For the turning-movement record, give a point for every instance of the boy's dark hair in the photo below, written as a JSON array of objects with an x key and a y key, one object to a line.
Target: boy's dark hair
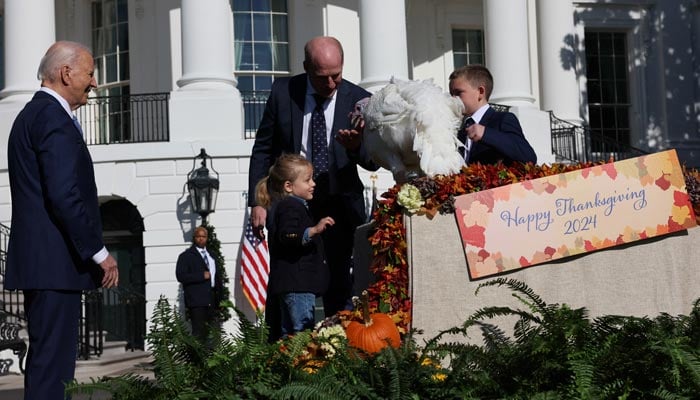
[{"x": 476, "y": 75}]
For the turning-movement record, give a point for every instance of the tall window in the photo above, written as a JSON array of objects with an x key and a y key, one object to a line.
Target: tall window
[
  {"x": 110, "y": 46},
  {"x": 608, "y": 90},
  {"x": 261, "y": 44},
  {"x": 468, "y": 47}
]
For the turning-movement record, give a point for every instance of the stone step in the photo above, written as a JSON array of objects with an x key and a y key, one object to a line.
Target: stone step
[{"x": 114, "y": 362}]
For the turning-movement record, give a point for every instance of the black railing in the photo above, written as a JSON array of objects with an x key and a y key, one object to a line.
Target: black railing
[
  {"x": 253, "y": 108},
  {"x": 116, "y": 314},
  {"x": 90, "y": 333},
  {"x": 135, "y": 118},
  {"x": 576, "y": 143},
  {"x": 12, "y": 300}
]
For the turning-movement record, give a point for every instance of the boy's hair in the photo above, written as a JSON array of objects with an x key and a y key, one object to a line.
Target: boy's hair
[
  {"x": 476, "y": 75},
  {"x": 286, "y": 168}
]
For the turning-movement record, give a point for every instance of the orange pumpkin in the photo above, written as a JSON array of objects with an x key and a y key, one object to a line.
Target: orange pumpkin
[{"x": 374, "y": 333}]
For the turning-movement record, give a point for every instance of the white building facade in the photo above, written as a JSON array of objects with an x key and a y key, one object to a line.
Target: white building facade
[{"x": 627, "y": 70}]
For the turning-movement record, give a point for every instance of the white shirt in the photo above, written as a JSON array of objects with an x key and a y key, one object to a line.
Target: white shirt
[
  {"x": 211, "y": 264},
  {"x": 477, "y": 119}
]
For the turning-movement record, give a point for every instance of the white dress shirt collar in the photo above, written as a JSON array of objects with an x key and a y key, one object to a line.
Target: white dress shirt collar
[{"x": 58, "y": 97}]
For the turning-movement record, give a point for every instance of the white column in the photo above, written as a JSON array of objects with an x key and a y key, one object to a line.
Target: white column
[
  {"x": 207, "y": 45},
  {"x": 507, "y": 54},
  {"x": 25, "y": 44},
  {"x": 557, "y": 52},
  {"x": 383, "y": 42},
  {"x": 207, "y": 105}
]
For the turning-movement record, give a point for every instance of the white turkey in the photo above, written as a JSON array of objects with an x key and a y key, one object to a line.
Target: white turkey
[{"x": 410, "y": 129}]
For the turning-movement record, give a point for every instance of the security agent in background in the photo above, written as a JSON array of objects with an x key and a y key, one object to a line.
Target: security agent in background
[{"x": 201, "y": 284}]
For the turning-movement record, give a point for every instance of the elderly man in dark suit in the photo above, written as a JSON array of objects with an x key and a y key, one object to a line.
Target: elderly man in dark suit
[
  {"x": 307, "y": 114},
  {"x": 56, "y": 247},
  {"x": 201, "y": 284}
]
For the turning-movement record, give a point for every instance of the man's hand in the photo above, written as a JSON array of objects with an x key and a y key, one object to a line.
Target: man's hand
[
  {"x": 257, "y": 220},
  {"x": 207, "y": 275},
  {"x": 111, "y": 277},
  {"x": 350, "y": 138}
]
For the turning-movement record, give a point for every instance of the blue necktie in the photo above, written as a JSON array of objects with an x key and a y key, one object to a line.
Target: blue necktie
[
  {"x": 319, "y": 141},
  {"x": 77, "y": 125}
]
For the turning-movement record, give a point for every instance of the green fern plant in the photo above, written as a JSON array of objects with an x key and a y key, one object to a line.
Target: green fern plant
[{"x": 551, "y": 352}]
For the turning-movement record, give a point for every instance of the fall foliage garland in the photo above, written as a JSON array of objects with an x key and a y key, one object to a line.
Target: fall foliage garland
[{"x": 389, "y": 293}]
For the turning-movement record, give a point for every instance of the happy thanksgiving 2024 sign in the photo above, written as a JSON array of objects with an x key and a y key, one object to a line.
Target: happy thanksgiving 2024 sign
[{"x": 540, "y": 220}]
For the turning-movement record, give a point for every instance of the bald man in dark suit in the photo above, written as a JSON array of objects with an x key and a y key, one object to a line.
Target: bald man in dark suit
[{"x": 286, "y": 128}]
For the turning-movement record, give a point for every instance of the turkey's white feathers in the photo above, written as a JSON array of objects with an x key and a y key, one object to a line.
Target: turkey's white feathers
[{"x": 410, "y": 129}]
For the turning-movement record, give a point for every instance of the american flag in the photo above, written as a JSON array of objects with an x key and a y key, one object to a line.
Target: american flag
[{"x": 255, "y": 267}]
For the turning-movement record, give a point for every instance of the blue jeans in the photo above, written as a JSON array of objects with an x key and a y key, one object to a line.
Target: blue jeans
[{"x": 297, "y": 311}]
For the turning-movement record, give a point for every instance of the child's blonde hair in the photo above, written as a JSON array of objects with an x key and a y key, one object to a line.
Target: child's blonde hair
[{"x": 286, "y": 168}]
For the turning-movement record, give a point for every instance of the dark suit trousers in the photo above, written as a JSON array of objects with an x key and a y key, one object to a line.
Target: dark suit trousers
[
  {"x": 52, "y": 325},
  {"x": 201, "y": 319},
  {"x": 337, "y": 245}
]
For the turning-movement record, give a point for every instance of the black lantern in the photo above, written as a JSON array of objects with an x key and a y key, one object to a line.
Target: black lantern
[{"x": 203, "y": 187}]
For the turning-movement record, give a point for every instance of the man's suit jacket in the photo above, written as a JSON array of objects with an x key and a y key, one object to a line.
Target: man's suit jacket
[
  {"x": 189, "y": 270},
  {"x": 294, "y": 267},
  {"x": 503, "y": 140},
  {"x": 56, "y": 225},
  {"x": 280, "y": 131}
]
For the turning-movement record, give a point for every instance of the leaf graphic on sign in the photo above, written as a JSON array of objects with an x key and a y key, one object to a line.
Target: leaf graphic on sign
[
  {"x": 658, "y": 166},
  {"x": 563, "y": 250},
  {"x": 662, "y": 182},
  {"x": 474, "y": 235},
  {"x": 673, "y": 225},
  {"x": 589, "y": 246},
  {"x": 483, "y": 254},
  {"x": 478, "y": 215},
  {"x": 662, "y": 229},
  {"x": 484, "y": 197},
  {"x": 550, "y": 251},
  {"x": 646, "y": 180},
  {"x": 550, "y": 188},
  {"x": 680, "y": 214},
  {"x": 629, "y": 169},
  {"x": 539, "y": 257},
  {"x": 610, "y": 170},
  {"x": 502, "y": 193},
  {"x": 680, "y": 198}
]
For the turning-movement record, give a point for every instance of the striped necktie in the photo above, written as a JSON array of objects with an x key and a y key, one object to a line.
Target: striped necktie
[
  {"x": 462, "y": 136},
  {"x": 206, "y": 259}
]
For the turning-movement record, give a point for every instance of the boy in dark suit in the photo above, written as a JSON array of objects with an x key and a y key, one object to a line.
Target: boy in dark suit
[{"x": 488, "y": 136}]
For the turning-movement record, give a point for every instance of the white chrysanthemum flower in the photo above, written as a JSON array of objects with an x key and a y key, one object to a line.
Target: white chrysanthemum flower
[
  {"x": 335, "y": 337},
  {"x": 410, "y": 198}
]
